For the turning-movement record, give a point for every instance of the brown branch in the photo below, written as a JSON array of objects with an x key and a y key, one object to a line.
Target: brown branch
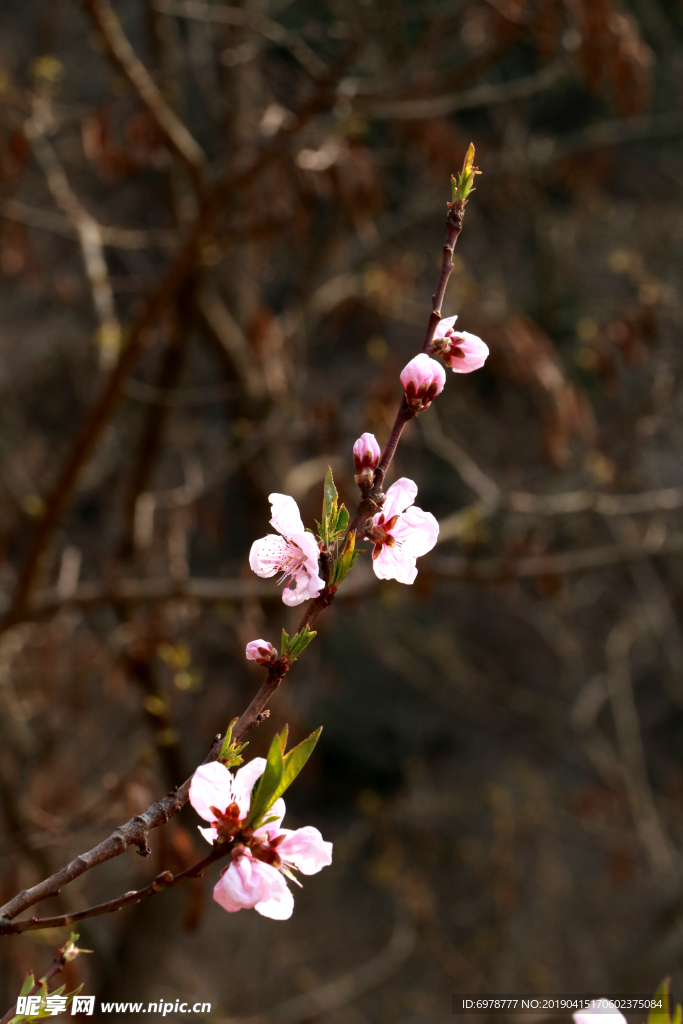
[
  {"x": 171, "y": 282},
  {"x": 133, "y": 833},
  {"x": 500, "y": 570},
  {"x": 163, "y": 881},
  {"x": 121, "y": 52},
  {"x": 199, "y": 10}
]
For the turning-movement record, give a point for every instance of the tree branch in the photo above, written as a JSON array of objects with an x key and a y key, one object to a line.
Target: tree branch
[{"x": 176, "y": 134}]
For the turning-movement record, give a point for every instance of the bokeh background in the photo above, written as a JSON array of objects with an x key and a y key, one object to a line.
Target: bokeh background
[{"x": 500, "y": 766}]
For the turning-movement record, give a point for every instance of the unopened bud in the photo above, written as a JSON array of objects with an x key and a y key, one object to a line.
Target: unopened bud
[
  {"x": 261, "y": 652},
  {"x": 422, "y": 379},
  {"x": 366, "y": 453}
]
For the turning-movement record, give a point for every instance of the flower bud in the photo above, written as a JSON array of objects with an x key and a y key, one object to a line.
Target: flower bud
[
  {"x": 462, "y": 351},
  {"x": 422, "y": 379},
  {"x": 366, "y": 452},
  {"x": 261, "y": 652}
]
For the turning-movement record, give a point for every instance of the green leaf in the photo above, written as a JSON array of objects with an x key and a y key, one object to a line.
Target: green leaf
[
  {"x": 345, "y": 562},
  {"x": 342, "y": 520},
  {"x": 283, "y": 739},
  {"x": 284, "y": 643},
  {"x": 230, "y": 752},
  {"x": 463, "y": 183},
  {"x": 263, "y": 796},
  {"x": 295, "y": 760},
  {"x": 29, "y": 982},
  {"x": 663, "y": 1015},
  {"x": 299, "y": 642},
  {"x": 329, "y": 499}
]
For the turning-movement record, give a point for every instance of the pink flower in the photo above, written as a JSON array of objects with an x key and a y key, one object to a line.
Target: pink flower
[
  {"x": 261, "y": 652},
  {"x": 256, "y": 874},
  {"x": 600, "y": 1011},
  {"x": 461, "y": 351},
  {"x": 294, "y": 554},
  {"x": 401, "y": 533},
  {"x": 422, "y": 379},
  {"x": 366, "y": 452},
  {"x": 251, "y": 883}
]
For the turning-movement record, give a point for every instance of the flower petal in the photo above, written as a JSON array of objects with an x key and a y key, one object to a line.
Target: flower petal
[
  {"x": 277, "y": 811},
  {"x": 244, "y": 780},
  {"x": 399, "y": 496},
  {"x": 267, "y": 555},
  {"x": 395, "y": 564},
  {"x": 475, "y": 352},
  {"x": 444, "y": 326},
  {"x": 416, "y": 532},
  {"x": 286, "y": 517},
  {"x": 244, "y": 884},
  {"x": 279, "y": 907},
  {"x": 211, "y": 786},
  {"x": 208, "y": 833},
  {"x": 306, "y": 849}
]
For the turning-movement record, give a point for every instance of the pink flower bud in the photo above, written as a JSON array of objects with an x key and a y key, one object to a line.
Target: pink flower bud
[
  {"x": 462, "y": 351},
  {"x": 366, "y": 452},
  {"x": 422, "y": 379},
  {"x": 261, "y": 652}
]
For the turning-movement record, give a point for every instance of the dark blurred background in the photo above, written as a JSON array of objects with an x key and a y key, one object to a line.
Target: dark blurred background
[{"x": 500, "y": 767}]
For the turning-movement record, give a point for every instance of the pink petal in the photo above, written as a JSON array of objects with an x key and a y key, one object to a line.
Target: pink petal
[
  {"x": 208, "y": 833},
  {"x": 243, "y": 885},
  {"x": 416, "y": 531},
  {"x": 279, "y": 906},
  {"x": 285, "y": 518},
  {"x": 306, "y": 849},
  {"x": 259, "y": 650},
  {"x": 476, "y": 353},
  {"x": 366, "y": 452},
  {"x": 277, "y": 811},
  {"x": 418, "y": 372},
  {"x": 444, "y": 326},
  {"x": 244, "y": 780},
  {"x": 267, "y": 555},
  {"x": 395, "y": 564},
  {"x": 211, "y": 786},
  {"x": 400, "y": 495}
]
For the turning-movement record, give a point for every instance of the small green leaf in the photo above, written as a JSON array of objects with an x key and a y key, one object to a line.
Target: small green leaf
[
  {"x": 329, "y": 498},
  {"x": 295, "y": 760},
  {"x": 29, "y": 982},
  {"x": 342, "y": 519},
  {"x": 663, "y": 1015},
  {"x": 263, "y": 797},
  {"x": 463, "y": 183},
  {"x": 345, "y": 562},
  {"x": 283, "y": 739},
  {"x": 299, "y": 643},
  {"x": 284, "y": 643}
]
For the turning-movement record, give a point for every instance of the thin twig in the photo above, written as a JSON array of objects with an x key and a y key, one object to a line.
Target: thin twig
[
  {"x": 175, "y": 132},
  {"x": 252, "y": 20},
  {"x": 162, "y": 882}
]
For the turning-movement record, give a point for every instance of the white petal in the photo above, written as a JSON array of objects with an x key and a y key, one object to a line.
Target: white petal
[
  {"x": 286, "y": 517},
  {"x": 267, "y": 555},
  {"x": 400, "y": 495},
  {"x": 208, "y": 833},
  {"x": 243, "y": 782},
  {"x": 210, "y": 787},
  {"x": 416, "y": 531},
  {"x": 394, "y": 564},
  {"x": 306, "y": 849}
]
